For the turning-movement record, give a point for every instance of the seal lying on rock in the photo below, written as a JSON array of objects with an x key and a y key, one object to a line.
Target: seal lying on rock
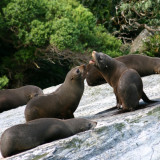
[
  {"x": 144, "y": 65},
  {"x": 127, "y": 83},
  {"x": 22, "y": 137},
  {"x": 61, "y": 103},
  {"x": 12, "y": 98}
]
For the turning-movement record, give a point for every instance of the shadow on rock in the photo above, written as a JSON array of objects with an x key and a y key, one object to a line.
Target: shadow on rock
[{"x": 115, "y": 111}]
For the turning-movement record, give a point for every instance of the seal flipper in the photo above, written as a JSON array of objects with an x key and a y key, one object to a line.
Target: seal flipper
[
  {"x": 129, "y": 102},
  {"x": 146, "y": 99}
]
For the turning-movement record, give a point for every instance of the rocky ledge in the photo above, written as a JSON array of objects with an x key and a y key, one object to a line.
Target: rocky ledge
[{"x": 117, "y": 136}]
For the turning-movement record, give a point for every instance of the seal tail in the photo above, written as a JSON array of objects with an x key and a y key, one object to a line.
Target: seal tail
[{"x": 146, "y": 99}]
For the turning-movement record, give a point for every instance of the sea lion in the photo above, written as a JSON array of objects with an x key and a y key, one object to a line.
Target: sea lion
[
  {"x": 23, "y": 137},
  {"x": 127, "y": 83},
  {"x": 144, "y": 65},
  {"x": 61, "y": 103},
  {"x": 12, "y": 98}
]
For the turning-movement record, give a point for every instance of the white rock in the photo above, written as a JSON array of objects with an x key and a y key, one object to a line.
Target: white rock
[{"x": 127, "y": 136}]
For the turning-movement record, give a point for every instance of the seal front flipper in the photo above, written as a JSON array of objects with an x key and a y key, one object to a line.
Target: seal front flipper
[
  {"x": 146, "y": 99},
  {"x": 118, "y": 105}
]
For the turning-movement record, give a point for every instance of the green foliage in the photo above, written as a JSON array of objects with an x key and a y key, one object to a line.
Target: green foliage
[
  {"x": 103, "y": 10},
  {"x": 3, "y": 81},
  {"x": 132, "y": 17},
  {"x": 19, "y": 76},
  {"x": 153, "y": 46},
  {"x": 1, "y": 22},
  {"x": 19, "y": 15},
  {"x": 29, "y": 26},
  {"x": 141, "y": 9},
  {"x": 64, "y": 24},
  {"x": 66, "y": 35},
  {"x": 39, "y": 33},
  {"x": 25, "y": 55},
  {"x": 99, "y": 8},
  {"x": 103, "y": 39},
  {"x": 33, "y": 31}
]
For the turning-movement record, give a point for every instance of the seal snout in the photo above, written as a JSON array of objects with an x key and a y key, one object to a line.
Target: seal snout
[
  {"x": 93, "y": 53},
  {"x": 83, "y": 70},
  {"x": 157, "y": 70},
  {"x": 91, "y": 62},
  {"x": 83, "y": 66},
  {"x": 93, "y": 124},
  {"x": 93, "y": 58}
]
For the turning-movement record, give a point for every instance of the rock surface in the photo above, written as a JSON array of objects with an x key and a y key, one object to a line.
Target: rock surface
[
  {"x": 137, "y": 44},
  {"x": 126, "y": 136}
]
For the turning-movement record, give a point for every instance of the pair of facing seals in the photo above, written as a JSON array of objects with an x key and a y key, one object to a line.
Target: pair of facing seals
[
  {"x": 127, "y": 83},
  {"x": 63, "y": 102},
  {"x": 144, "y": 65},
  {"x": 12, "y": 98},
  {"x": 29, "y": 135}
]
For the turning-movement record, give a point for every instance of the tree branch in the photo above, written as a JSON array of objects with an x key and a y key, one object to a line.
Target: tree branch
[{"x": 147, "y": 27}]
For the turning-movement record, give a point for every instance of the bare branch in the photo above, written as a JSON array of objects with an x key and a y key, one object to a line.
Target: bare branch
[
  {"x": 147, "y": 27},
  {"x": 52, "y": 54}
]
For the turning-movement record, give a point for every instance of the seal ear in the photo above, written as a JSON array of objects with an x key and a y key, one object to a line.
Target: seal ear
[{"x": 72, "y": 78}]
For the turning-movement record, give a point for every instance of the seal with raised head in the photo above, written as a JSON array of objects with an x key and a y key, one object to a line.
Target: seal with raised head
[
  {"x": 12, "y": 98},
  {"x": 127, "y": 83},
  {"x": 143, "y": 64},
  {"x": 23, "y": 137},
  {"x": 61, "y": 103}
]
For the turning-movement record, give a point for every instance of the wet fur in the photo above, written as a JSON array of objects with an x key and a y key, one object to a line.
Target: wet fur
[
  {"x": 127, "y": 83},
  {"x": 12, "y": 98},
  {"x": 63, "y": 102},
  {"x": 144, "y": 65},
  {"x": 29, "y": 135}
]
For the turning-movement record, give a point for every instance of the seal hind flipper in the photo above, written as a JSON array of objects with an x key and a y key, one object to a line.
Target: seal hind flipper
[
  {"x": 129, "y": 102},
  {"x": 146, "y": 99}
]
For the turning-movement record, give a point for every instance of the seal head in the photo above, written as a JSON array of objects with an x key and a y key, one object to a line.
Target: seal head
[{"x": 100, "y": 60}]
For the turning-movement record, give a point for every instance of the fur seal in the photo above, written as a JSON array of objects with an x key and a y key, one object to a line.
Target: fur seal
[
  {"x": 23, "y": 137},
  {"x": 12, "y": 98},
  {"x": 61, "y": 103},
  {"x": 144, "y": 65},
  {"x": 127, "y": 83}
]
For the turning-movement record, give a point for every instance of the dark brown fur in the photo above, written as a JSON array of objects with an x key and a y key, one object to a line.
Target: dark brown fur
[
  {"x": 144, "y": 65},
  {"x": 29, "y": 135},
  {"x": 61, "y": 103},
  {"x": 12, "y": 98},
  {"x": 127, "y": 83}
]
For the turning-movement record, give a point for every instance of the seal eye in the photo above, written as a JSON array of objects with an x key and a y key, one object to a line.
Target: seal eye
[{"x": 77, "y": 70}]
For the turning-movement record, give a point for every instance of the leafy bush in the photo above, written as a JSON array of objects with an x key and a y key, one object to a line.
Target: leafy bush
[
  {"x": 3, "y": 81},
  {"x": 43, "y": 29},
  {"x": 103, "y": 10},
  {"x": 135, "y": 15},
  {"x": 64, "y": 24},
  {"x": 25, "y": 55},
  {"x": 153, "y": 46}
]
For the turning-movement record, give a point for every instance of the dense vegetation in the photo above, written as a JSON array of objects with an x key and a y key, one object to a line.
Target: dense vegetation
[{"x": 40, "y": 40}]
